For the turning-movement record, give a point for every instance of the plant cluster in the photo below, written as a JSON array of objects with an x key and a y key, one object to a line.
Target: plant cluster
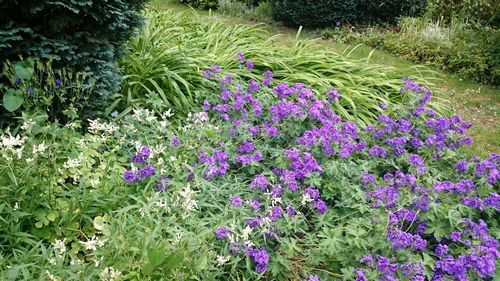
[
  {"x": 84, "y": 36},
  {"x": 160, "y": 73},
  {"x": 469, "y": 50},
  {"x": 485, "y": 12},
  {"x": 267, "y": 181},
  {"x": 34, "y": 86},
  {"x": 326, "y": 13}
]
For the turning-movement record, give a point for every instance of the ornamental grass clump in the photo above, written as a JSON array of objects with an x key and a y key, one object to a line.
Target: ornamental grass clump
[{"x": 307, "y": 193}]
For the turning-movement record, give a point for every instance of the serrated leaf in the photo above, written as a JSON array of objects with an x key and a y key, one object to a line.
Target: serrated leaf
[{"x": 12, "y": 100}]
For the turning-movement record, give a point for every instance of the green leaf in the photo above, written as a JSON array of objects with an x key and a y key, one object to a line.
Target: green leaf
[
  {"x": 156, "y": 256},
  {"x": 24, "y": 71},
  {"x": 12, "y": 100},
  {"x": 173, "y": 260}
]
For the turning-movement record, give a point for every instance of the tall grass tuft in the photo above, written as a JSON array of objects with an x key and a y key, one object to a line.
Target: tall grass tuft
[{"x": 163, "y": 68}]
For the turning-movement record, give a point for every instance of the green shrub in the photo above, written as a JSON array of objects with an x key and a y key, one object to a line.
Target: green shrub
[
  {"x": 33, "y": 86},
  {"x": 484, "y": 11},
  {"x": 313, "y": 13},
  {"x": 202, "y": 4},
  {"x": 469, "y": 50},
  {"x": 79, "y": 35},
  {"x": 476, "y": 54}
]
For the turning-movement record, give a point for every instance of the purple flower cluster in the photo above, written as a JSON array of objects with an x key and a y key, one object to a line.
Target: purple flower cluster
[
  {"x": 299, "y": 132},
  {"x": 217, "y": 164}
]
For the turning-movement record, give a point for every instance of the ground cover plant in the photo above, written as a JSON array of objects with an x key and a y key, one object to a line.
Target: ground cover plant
[{"x": 265, "y": 182}]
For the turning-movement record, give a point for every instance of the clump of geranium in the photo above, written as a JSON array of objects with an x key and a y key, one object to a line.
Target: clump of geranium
[{"x": 280, "y": 140}]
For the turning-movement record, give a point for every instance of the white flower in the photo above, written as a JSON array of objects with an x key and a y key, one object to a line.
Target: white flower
[
  {"x": 161, "y": 203},
  {"x": 51, "y": 277},
  {"x": 95, "y": 182},
  {"x": 73, "y": 163},
  {"x": 96, "y": 127},
  {"x": 173, "y": 158},
  {"x": 93, "y": 243},
  {"x": 222, "y": 259},
  {"x": 16, "y": 206},
  {"x": 59, "y": 246},
  {"x": 27, "y": 124},
  {"x": 246, "y": 233},
  {"x": 167, "y": 114},
  {"x": 9, "y": 142},
  {"x": 109, "y": 274},
  {"x": 39, "y": 148},
  {"x": 306, "y": 199}
]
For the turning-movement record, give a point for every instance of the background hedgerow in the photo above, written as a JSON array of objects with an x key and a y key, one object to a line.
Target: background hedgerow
[
  {"x": 161, "y": 72},
  {"x": 84, "y": 36},
  {"x": 324, "y": 13}
]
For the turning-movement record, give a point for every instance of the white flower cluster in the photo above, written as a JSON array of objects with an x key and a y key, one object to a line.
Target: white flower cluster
[
  {"x": 74, "y": 163},
  {"x": 51, "y": 277},
  {"x": 14, "y": 144},
  {"x": 59, "y": 249},
  {"x": 96, "y": 127},
  {"x": 222, "y": 259},
  {"x": 186, "y": 200},
  {"x": 93, "y": 243},
  {"x": 144, "y": 115},
  {"x": 109, "y": 274},
  {"x": 198, "y": 119}
]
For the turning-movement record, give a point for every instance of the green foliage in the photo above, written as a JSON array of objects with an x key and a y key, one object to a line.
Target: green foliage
[
  {"x": 322, "y": 13},
  {"x": 164, "y": 65},
  {"x": 202, "y": 4},
  {"x": 476, "y": 54},
  {"x": 484, "y": 11},
  {"x": 80, "y": 35},
  {"x": 261, "y": 11},
  {"x": 472, "y": 51},
  {"x": 34, "y": 85}
]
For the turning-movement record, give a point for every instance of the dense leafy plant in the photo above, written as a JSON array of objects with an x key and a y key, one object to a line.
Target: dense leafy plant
[
  {"x": 202, "y": 4},
  {"x": 485, "y": 12},
  {"x": 80, "y": 35},
  {"x": 35, "y": 86},
  {"x": 161, "y": 72},
  {"x": 469, "y": 50},
  {"x": 331, "y": 12},
  {"x": 267, "y": 182}
]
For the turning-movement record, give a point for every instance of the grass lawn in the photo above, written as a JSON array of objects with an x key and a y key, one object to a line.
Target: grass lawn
[{"x": 475, "y": 102}]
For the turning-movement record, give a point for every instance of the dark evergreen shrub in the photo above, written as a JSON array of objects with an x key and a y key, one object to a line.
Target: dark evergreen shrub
[
  {"x": 82, "y": 35},
  {"x": 322, "y": 13}
]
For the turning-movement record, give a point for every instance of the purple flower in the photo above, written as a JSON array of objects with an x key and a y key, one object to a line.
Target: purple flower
[
  {"x": 367, "y": 178},
  {"x": 259, "y": 181},
  {"x": 249, "y": 64},
  {"x": 146, "y": 172},
  {"x": 313, "y": 278},
  {"x": 290, "y": 211},
  {"x": 221, "y": 233},
  {"x": 383, "y": 105},
  {"x": 175, "y": 141},
  {"x": 206, "y": 105},
  {"x": 162, "y": 183},
  {"x": 417, "y": 163},
  {"x": 236, "y": 201},
  {"x": 261, "y": 258},
  {"x": 245, "y": 147},
  {"x": 461, "y": 166},
  {"x": 145, "y": 152},
  {"x": 456, "y": 236},
  {"x": 58, "y": 83},
  {"x": 268, "y": 78},
  {"x": 241, "y": 57},
  {"x": 30, "y": 90},
  {"x": 129, "y": 176},
  {"x": 254, "y": 204},
  {"x": 332, "y": 95},
  {"x": 215, "y": 68},
  {"x": 441, "y": 250},
  {"x": 321, "y": 207},
  {"x": 360, "y": 275}
]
